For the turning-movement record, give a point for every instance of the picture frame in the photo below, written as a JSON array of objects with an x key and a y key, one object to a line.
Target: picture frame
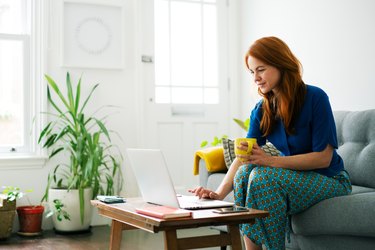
[{"x": 92, "y": 34}]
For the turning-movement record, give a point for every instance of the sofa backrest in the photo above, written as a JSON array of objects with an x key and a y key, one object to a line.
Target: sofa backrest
[{"x": 356, "y": 142}]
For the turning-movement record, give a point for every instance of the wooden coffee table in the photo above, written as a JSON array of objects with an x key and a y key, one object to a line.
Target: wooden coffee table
[{"x": 124, "y": 217}]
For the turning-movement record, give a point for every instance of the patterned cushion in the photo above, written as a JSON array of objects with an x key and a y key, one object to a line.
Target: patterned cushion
[{"x": 229, "y": 154}]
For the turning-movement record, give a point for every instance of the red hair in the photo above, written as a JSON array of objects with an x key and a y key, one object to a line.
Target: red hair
[{"x": 288, "y": 101}]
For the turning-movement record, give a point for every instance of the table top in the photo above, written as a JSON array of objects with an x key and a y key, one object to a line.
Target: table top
[{"x": 125, "y": 212}]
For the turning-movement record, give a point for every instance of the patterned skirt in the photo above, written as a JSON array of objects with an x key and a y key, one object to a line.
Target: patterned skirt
[{"x": 282, "y": 192}]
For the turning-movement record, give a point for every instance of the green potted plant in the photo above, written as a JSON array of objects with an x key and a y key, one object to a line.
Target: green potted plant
[
  {"x": 8, "y": 199},
  {"x": 93, "y": 161}
]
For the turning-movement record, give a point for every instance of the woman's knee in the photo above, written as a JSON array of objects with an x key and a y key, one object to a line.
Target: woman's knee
[{"x": 241, "y": 177}]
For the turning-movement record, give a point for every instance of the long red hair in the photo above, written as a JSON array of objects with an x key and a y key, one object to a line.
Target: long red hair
[{"x": 288, "y": 101}]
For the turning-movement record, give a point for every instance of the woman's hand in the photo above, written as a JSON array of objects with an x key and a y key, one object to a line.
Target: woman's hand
[
  {"x": 202, "y": 192},
  {"x": 258, "y": 156}
]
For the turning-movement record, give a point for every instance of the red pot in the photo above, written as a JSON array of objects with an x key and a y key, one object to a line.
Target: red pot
[{"x": 30, "y": 219}]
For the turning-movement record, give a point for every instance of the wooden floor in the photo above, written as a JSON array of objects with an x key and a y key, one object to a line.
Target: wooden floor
[{"x": 98, "y": 239}]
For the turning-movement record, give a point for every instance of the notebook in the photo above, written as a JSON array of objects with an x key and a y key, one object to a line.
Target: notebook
[{"x": 155, "y": 183}]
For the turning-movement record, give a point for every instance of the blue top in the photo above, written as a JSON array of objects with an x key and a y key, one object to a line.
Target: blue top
[{"x": 314, "y": 129}]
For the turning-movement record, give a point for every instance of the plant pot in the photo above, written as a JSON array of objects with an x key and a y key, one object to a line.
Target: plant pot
[
  {"x": 70, "y": 200},
  {"x": 30, "y": 219},
  {"x": 7, "y": 213}
]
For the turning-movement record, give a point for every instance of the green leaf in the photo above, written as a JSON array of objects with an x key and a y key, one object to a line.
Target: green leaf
[
  {"x": 204, "y": 143},
  {"x": 78, "y": 96},
  {"x": 241, "y": 124},
  {"x": 88, "y": 98},
  {"x": 44, "y": 132},
  {"x": 103, "y": 128},
  {"x": 54, "y": 86},
  {"x": 81, "y": 204},
  {"x": 70, "y": 94}
]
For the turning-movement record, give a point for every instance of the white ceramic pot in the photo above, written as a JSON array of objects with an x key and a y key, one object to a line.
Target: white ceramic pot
[{"x": 70, "y": 200}]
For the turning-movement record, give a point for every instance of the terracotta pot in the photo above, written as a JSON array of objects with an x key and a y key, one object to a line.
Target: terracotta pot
[{"x": 30, "y": 219}]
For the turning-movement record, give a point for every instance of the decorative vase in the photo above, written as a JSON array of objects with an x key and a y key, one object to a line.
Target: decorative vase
[
  {"x": 7, "y": 213},
  {"x": 71, "y": 205},
  {"x": 30, "y": 219}
]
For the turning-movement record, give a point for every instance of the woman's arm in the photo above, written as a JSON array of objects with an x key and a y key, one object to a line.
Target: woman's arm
[
  {"x": 309, "y": 161},
  {"x": 225, "y": 187}
]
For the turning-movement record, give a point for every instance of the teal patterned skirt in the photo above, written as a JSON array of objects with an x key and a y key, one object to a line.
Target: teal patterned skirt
[{"x": 282, "y": 192}]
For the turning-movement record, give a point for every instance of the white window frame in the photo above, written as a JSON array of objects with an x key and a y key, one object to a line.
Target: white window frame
[
  {"x": 32, "y": 156},
  {"x": 171, "y": 85}
]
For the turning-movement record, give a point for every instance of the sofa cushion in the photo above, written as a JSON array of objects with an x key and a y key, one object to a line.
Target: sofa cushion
[
  {"x": 359, "y": 189},
  {"x": 229, "y": 155},
  {"x": 356, "y": 138},
  {"x": 345, "y": 215}
]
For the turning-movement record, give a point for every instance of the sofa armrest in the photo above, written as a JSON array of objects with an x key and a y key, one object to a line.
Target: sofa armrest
[{"x": 204, "y": 174}]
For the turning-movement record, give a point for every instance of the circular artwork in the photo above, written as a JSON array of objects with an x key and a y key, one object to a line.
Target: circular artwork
[{"x": 93, "y": 35}]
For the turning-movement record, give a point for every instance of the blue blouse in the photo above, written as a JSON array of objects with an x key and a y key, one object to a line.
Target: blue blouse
[{"x": 314, "y": 129}]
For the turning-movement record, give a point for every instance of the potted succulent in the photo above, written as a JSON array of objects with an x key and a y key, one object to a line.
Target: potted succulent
[{"x": 93, "y": 161}]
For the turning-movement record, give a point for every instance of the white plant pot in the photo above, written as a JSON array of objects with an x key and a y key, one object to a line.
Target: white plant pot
[{"x": 70, "y": 200}]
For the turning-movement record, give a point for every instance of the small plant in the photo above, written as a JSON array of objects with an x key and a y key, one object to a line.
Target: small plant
[
  {"x": 218, "y": 141},
  {"x": 14, "y": 193},
  {"x": 60, "y": 212}
]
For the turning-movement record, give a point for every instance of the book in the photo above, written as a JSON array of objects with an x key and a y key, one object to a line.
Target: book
[{"x": 163, "y": 212}]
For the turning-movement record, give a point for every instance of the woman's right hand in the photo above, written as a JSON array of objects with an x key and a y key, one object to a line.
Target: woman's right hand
[{"x": 202, "y": 192}]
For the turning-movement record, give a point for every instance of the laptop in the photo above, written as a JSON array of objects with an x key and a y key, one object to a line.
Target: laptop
[{"x": 156, "y": 186}]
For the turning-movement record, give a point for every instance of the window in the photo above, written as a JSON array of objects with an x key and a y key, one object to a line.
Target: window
[
  {"x": 186, "y": 52},
  {"x": 20, "y": 76}
]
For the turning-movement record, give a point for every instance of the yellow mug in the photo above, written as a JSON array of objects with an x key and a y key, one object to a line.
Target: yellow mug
[{"x": 250, "y": 143}]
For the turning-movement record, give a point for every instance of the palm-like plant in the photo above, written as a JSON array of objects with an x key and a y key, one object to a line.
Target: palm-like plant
[{"x": 86, "y": 138}]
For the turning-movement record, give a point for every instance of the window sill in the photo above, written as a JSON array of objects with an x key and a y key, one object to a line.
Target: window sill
[{"x": 22, "y": 161}]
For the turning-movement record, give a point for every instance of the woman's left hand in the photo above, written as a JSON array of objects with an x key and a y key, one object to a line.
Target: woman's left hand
[{"x": 258, "y": 157}]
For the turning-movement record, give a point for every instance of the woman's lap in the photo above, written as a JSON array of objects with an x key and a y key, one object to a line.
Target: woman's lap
[{"x": 282, "y": 192}]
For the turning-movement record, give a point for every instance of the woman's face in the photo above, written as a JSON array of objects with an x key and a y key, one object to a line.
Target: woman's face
[{"x": 266, "y": 77}]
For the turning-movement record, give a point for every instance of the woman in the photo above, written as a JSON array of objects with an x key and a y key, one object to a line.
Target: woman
[{"x": 298, "y": 120}]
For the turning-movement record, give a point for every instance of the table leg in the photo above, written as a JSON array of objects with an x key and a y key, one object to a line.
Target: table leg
[
  {"x": 235, "y": 237},
  {"x": 116, "y": 235},
  {"x": 170, "y": 240}
]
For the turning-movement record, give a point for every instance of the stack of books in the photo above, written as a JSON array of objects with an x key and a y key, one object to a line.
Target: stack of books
[{"x": 163, "y": 212}]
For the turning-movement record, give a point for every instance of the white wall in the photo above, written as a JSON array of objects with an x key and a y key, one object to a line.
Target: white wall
[
  {"x": 117, "y": 87},
  {"x": 334, "y": 40}
]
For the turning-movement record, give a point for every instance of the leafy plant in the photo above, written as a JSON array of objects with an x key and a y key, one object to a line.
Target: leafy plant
[
  {"x": 14, "y": 193},
  {"x": 243, "y": 124},
  {"x": 61, "y": 213},
  {"x": 218, "y": 141},
  {"x": 92, "y": 163}
]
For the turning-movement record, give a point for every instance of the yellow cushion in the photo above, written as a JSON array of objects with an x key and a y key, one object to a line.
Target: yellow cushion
[{"x": 213, "y": 157}]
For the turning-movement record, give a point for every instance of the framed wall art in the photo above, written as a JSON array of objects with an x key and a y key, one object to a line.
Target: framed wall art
[{"x": 92, "y": 34}]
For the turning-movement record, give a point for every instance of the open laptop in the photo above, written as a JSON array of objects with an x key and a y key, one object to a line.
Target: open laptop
[{"x": 155, "y": 183}]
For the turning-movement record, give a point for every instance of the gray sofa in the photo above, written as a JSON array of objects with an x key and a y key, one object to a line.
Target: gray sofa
[{"x": 342, "y": 223}]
